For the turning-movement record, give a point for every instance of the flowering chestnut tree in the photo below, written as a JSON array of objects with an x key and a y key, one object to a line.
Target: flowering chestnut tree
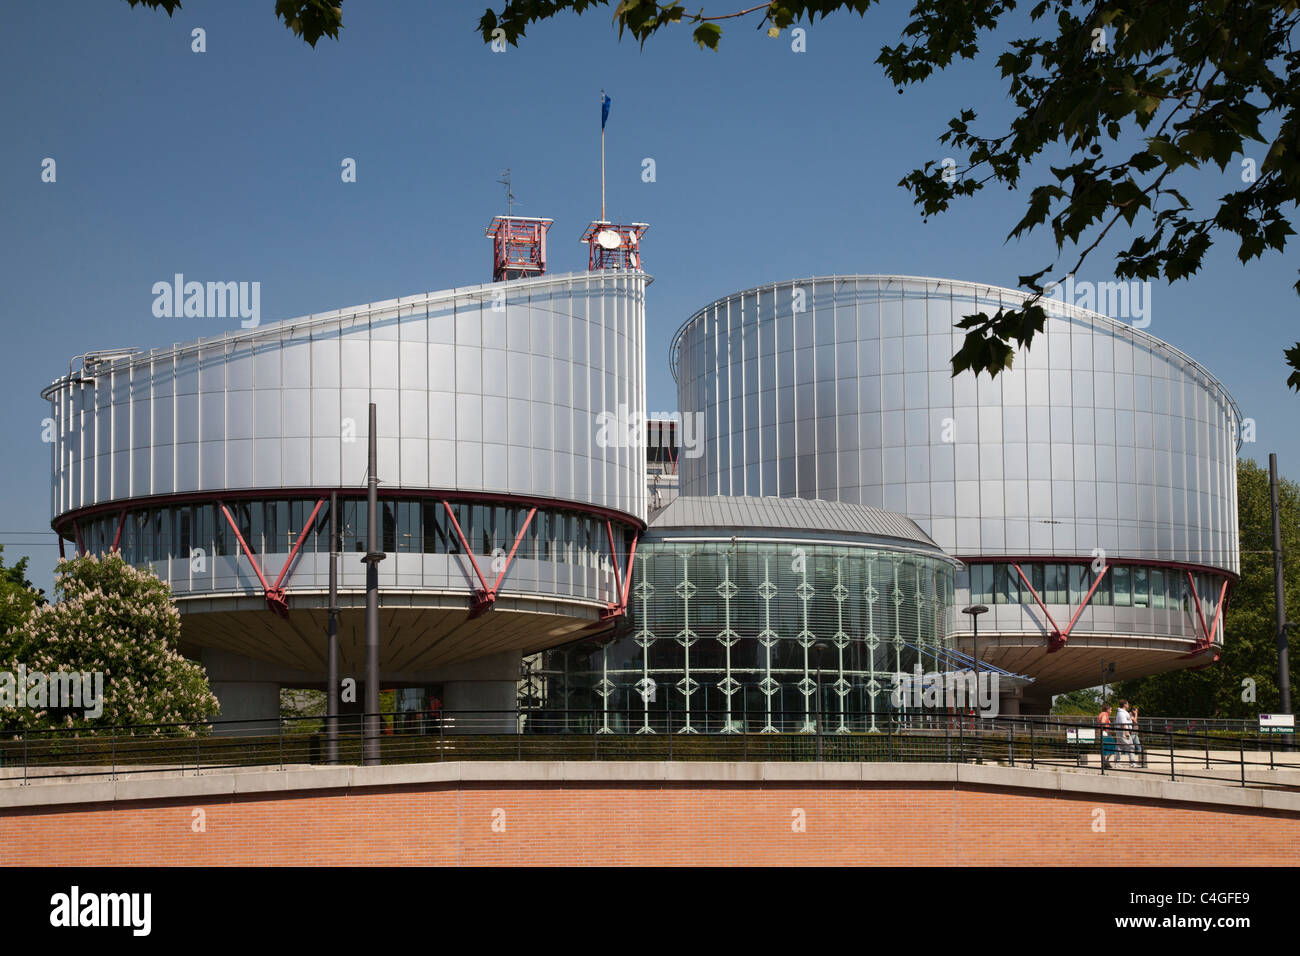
[{"x": 112, "y": 619}]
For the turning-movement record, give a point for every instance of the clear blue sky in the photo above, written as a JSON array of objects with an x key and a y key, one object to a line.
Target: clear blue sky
[{"x": 225, "y": 165}]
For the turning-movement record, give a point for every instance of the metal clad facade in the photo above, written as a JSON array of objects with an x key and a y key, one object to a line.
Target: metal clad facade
[
  {"x": 471, "y": 398},
  {"x": 1100, "y": 436}
]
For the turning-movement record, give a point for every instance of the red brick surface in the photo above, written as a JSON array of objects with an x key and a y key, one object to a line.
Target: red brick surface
[{"x": 651, "y": 824}]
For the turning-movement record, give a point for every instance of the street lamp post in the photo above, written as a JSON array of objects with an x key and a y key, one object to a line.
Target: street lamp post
[
  {"x": 1287, "y": 628},
  {"x": 1107, "y": 672},
  {"x": 975, "y": 610}
]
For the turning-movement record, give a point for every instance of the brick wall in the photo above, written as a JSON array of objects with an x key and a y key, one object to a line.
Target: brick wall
[{"x": 651, "y": 823}]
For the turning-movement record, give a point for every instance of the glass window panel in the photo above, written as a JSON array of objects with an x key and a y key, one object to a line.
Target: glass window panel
[
  {"x": 1056, "y": 583},
  {"x": 1141, "y": 587},
  {"x": 1007, "y": 585},
  {"x": 388, "y": 526},
  {"x": 1080, "y": 581},
  {"x": 1036, "y": 576},
  {"x": 1122, "y": 586}
]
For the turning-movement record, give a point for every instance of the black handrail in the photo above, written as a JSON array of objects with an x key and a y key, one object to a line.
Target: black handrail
[{"x": 531, "y": 734}]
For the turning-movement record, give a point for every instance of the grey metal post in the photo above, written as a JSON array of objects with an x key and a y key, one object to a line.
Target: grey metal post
[
  {"x": 332, "y": 650},
  {"x": 370, "y": 745},
  {"x": 818, "y": 648},
  {"x": 1279, "y": 592},
  {"x": 975, "y": 610}
]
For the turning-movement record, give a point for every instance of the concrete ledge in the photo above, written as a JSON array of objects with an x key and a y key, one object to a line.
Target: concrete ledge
[
  {"x": 201, "y": 788},
  {"x": 167, "y": 787}
]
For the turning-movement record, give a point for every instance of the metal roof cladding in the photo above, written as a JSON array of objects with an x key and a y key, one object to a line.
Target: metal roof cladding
[{"x": 756, "y": 516}]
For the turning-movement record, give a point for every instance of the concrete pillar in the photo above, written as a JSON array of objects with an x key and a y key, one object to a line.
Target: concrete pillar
[
  {"x": 494, "y": 699},
  {"x": 248, "y": 690},
  {"x": 489, "y": 685},
  {"x": 253, "y": 705}
]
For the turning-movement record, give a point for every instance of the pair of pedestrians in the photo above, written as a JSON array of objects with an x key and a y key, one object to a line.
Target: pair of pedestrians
[{"x": 1126, "y": 727}]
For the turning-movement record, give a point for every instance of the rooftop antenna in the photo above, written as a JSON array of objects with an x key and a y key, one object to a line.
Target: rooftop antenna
[
  {"x": 604, "y": 117},
  {"x": 510, "y": 196}
]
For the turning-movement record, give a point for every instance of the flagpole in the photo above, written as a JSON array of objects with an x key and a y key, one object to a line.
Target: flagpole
[{"x": 602, "y": 159}]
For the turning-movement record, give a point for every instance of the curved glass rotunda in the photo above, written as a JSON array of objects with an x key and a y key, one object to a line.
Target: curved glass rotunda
[{"x": 755, "y": 615}]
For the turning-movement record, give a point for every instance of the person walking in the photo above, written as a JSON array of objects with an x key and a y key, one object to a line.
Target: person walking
[
  {"x": 1103, "y": 722},
  {"x": 1137, "y": 739},
  {"x": 1124, "y": 725}
]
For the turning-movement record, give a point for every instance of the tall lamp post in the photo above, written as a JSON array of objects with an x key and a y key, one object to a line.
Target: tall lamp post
[
  {"x": 975, "y": 610},
  {"x": 1289, "y": 627}
]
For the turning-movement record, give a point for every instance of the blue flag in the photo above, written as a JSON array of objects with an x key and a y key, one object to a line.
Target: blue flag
[{"x": 604, "y": 113}]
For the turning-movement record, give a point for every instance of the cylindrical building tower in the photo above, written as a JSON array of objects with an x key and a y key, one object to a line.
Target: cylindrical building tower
[
  {"x": 1090, "y": 489},
  {"x": 212, "y": 464}
]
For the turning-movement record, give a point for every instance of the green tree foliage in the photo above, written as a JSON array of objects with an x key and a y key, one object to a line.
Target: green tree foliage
[
  {"x": 17, "y": 596},
  {"x": 1124, "y": 102},
  {"x": 120, "y": 621},
  {"x": 309, "y": 19},
  {"x": 1086, "y": 701},
  {"x": 1250, "y": 645}
]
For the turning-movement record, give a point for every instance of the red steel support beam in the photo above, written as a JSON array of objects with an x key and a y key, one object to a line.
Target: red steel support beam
[
  {"x": 117, "y": 538},
  {"x": 1046, "y": 613},
  {"x": 480, "y": 601},
  {"x": 1058, "y": 637},
  {"x": 60, "y": 537},
  {"x": 276, "y": 599},
  {"x": 76, "y": 533},
  {"x": 618, "y": 574},
  {"x": 619, "y": 607},
  {"x": 1087, "y": 598},
  {"x": 627, "y": 584},
  {"x": 1206, "y": 640},
  {"x": 485, "y": 596},
  {"x": 496, "y": 588},
  {"x": 252, "y": 558},
  {"x": 1196, "y": 599}
]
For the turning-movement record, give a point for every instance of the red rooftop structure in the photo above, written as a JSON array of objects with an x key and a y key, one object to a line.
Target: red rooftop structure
[
  {"x": 614, "y": 246},
  {"x": 518, "y": 246}
]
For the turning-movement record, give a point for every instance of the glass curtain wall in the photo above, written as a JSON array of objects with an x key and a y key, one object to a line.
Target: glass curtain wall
[{"x": 756, "y": 637}]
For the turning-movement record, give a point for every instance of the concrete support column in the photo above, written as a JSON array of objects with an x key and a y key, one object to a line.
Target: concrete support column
[
  {"x": 489, "y": 685},
  {"x": 255, "y": 705},
  {"x": 494, "y": 700}
]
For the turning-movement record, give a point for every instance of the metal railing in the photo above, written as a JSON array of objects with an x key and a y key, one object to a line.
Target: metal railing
[
  {"x": 1020, "y": 741},
  {"x": 1235, "y": 725}
]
